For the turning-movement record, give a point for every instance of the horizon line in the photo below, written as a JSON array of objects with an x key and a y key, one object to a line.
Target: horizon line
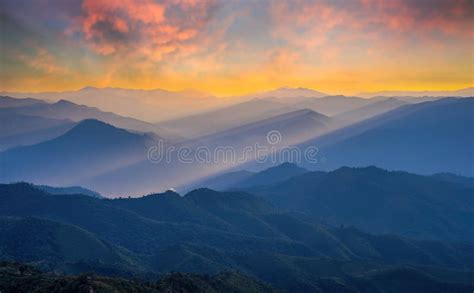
[{"x": 210, "y": 94}]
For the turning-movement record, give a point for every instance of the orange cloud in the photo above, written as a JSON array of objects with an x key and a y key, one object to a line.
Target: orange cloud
[{"x": 42, "y": 61}]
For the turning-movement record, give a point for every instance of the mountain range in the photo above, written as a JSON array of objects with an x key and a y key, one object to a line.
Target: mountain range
[
  {"x": 18, "y": 129},
  {"x": 30, "y": 124},
  {"x": 161, "y": 105},
  {"x": 262, "y": 108},
  {"x": 359, "y": 137},
  {"x": 207, "y": 231},
  {"x": 210, "y": 154},
  {"x": 244, "y": 178},
  {"x": 293, "y": 127},
  {"x": 333, "y": 105},
  {"x": 369, "y": 110},
  {"x": 387, "y": 206},
  {"x": 399, "y": 139},
  {"x": 425, "y": 207},
  {"x": 149, "y": 105},
  {"x": 68, "y": 110},
  {"x": 466, "y": 92},
  {"x": 223, "y": 118},
  {"x": 156, "y": 104},
  {"x": 289, "y": 93},
  {"x": 402, "y": 132},
  {"x": 89, "y": 148},
  {"x": 9, "y": 102}
]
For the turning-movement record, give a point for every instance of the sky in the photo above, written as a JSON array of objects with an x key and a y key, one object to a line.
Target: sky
[{"x": 229, "y": 47}]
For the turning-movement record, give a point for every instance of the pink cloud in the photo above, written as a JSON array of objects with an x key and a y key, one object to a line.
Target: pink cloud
[
  {"x": 309, "y": 24},
  {"x": 145, "y": 27}
]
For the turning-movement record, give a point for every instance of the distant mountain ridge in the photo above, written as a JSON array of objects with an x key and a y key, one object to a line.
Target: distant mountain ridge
[
  {"x": 294, "y": 126},
  {"x": 88, "y": 148},
  {"x": 404, "y": 132},
  {"x": 333, "y": 105},
  {"x": 370, "y": 110},
  {"x": 224, "y": 118},
  {"x": 9, "y": 102},
  {"x": 425, "y": 138},
  {"x": 287, "y": 92},
  {"x": 466, "y": 92},
  {"x": 66, "y": 110},
  {"x": 34, "y": 136},
  {"x": 12, "y": 123},
  {"x": 19, "y": 129},
  {"x": 63, "y": 109},
  {"x": 242, "y": 141},
  {"x": 245, "y": 179},
  {"x": 149, "y": 105}
]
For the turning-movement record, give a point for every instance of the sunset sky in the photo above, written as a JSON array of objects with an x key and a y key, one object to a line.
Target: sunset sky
[{"x": 233, "y": 47}]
